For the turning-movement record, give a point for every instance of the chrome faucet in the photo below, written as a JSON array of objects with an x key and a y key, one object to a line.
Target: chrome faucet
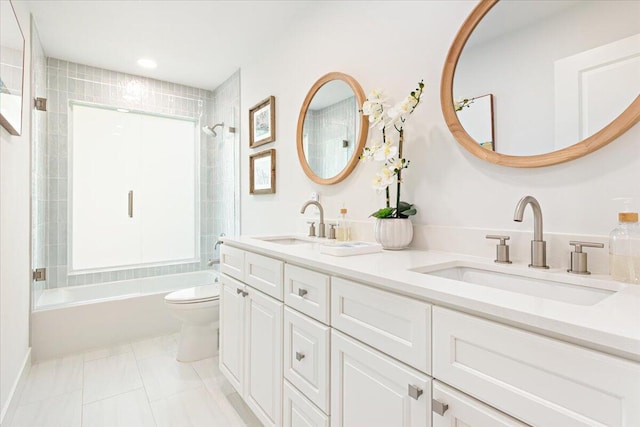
[
  {"x": 538, "y": 245},
  {"x": 321, "y": 232},
  {"x": 214, "y": 261},
  {"x": 219, "y": 241}
]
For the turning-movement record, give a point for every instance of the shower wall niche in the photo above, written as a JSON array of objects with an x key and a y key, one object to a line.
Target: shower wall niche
[{"x": 71, "y": 84}]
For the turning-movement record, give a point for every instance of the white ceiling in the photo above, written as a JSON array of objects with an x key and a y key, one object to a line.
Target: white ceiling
[{"x": 195, "y": 43}]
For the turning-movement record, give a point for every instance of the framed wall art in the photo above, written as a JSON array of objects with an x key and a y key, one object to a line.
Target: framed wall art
[
  {"x": 262, "y": 172},
  {"x": 262, "y": 122},
  {"x": 11, "y": 69}
]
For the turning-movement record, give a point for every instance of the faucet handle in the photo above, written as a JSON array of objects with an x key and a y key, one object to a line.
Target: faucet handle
[
  {"x": 332, "y": 231},
  {"x": 312, "y": 228},
  {"x": 579, "y": 258},
  {"x": 502, "y": 249}
]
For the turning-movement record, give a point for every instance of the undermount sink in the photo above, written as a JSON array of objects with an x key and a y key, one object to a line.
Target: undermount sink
[
  {"x": 285, "y": 240},
  {"x": 556, "y": 290}
]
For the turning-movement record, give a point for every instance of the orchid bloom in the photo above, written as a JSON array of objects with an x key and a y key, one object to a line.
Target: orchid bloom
[
  {"x": 383, "y": 179},
  {"x": 397, "y": 165},
  {"x": 374, "y": 108},
  {"x": 369, "y": 152},
  {"x": 385, "y": 152}
]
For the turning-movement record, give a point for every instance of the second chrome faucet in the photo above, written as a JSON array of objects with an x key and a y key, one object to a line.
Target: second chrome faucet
[{"x": 538, "y": 245}]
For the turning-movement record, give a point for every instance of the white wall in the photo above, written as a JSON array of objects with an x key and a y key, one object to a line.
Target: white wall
[
  {"x": 392, "y": 45},
  {"x": 15, "y": 239}
]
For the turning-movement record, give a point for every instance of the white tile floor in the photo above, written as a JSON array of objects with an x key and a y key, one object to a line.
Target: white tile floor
[{"x": 133, "y": 385}]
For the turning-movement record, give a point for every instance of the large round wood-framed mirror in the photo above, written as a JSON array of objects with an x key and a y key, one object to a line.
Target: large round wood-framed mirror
[
  {"x": 331, "y": 128},
  {"x": 508, "y": 127}
]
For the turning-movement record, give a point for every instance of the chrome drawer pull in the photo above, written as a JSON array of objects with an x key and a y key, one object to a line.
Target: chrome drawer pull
[
  {"x": 439, "y": 407},
  {"x": 415, "y": 392},
  {"x": 299, "y": 356},
  {"x": 240, "y": 291},
  {"x": 302, "y": 292}
]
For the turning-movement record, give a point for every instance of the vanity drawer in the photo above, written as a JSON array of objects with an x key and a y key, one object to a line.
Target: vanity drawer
[
  {"x": 539, "y": 380},
  {"x": 264, "y": 273},
  {"x": 299, "y": 412},
  {"x": 307, "y": 291},
  {"x": 396, "y": 325},
  {"x": 463, "y": 410},
  {"x": 306, "y": 356},
  {"x": 232, "y": 261}
]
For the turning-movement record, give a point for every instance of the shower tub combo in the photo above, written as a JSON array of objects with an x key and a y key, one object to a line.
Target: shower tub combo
[{"x": 80, "y": 318}]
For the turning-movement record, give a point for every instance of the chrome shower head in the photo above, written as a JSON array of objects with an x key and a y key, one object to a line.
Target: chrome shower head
[{"x": 210, "y": 130}]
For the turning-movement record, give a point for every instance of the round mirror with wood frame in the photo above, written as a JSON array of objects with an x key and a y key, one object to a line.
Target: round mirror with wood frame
[
  {"x": 615, "y": 128},
  {"x": 331, "y": 91}
]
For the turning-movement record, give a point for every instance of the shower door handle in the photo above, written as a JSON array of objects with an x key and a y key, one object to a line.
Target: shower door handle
[{"x": 130, "y": 210}]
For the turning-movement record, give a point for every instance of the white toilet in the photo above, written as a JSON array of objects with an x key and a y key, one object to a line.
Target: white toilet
[{"x": 199, "y": 310}]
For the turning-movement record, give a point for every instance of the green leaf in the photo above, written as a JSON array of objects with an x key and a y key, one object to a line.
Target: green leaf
[
  {"x": 406, "y": 209},
  {"x": 383, "y": 213}
]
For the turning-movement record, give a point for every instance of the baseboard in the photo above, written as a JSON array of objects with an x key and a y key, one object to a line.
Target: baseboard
[{"x": 12, "y": 404}]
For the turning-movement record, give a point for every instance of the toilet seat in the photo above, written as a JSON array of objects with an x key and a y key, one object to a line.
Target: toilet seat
[{"x": 194, "y": 295}]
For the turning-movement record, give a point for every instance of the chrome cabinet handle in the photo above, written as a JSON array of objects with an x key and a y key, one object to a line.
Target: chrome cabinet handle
[
  {"x": 439, "y": 407},
  {"x": 302, "y": 292},
  {"x": 240, "y": 291},
  {"x": 299, "y": 356},
  {"x": 415, "y": 391}
]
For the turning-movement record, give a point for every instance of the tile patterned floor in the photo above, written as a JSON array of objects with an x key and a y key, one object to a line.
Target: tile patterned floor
[{"x": 133, "y": 385}]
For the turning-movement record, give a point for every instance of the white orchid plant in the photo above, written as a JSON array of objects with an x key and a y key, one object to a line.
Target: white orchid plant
[{"x": 389, "y": 149}]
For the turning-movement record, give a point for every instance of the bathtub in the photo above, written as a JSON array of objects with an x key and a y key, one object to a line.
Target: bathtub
[{"x": 79, "y": 318}]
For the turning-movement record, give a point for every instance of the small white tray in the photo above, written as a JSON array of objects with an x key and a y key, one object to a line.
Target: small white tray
[{"x": 350, "y": 248}]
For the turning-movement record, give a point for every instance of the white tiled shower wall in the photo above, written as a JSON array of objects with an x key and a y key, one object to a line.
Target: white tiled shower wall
[
  {"x": 68, "y": 81},
  {"x": 225, "y": 152}
]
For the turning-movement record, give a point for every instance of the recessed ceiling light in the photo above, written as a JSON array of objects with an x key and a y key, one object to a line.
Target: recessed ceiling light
[{"x": 147, "y": 63}]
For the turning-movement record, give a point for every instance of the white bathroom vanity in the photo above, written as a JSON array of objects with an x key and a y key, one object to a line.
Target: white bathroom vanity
[{"x": 423, "y": 338}]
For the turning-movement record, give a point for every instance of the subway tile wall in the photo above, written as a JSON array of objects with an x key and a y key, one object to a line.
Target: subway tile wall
[
  {"x": 326, "y": 130},
  {"x": 225, "y": 152},
  {"x": 68, "y": 81}
]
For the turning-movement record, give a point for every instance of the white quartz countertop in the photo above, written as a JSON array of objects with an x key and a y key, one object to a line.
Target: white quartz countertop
[{"x": 611, "y": 325}]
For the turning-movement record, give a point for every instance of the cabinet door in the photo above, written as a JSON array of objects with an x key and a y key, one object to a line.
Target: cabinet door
[
  {"x": 539, "y": 380},
  {"x": 394, "y": 324},
  {"x": 371, "y": 389},
  {"x": 232, "y": 310},
  {"x": 263, "y": 344},
  {"x": 306, "y": 356},
  {"x": 299, "y": 412},
  {"x": 463, "y": 410}
]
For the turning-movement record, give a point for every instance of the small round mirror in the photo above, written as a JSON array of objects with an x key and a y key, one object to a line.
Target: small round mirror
[{"x": 331, "y": 130}]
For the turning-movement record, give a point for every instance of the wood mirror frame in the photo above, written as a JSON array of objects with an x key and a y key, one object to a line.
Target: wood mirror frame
[
  {"x": 362, "y": 132},
  {"x": 617, "y": 127}
]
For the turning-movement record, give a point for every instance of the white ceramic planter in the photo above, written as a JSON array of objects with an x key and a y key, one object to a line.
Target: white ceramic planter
[{"x": 393, "y": 233}]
